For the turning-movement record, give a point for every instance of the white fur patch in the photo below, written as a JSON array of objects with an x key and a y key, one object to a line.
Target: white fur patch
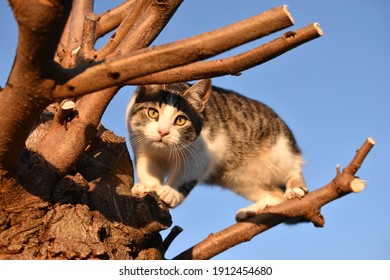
[{"x": 267, "y": 168}]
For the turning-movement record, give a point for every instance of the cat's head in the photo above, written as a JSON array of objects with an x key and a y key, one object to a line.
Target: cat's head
[{"x": 163, "y": 116}]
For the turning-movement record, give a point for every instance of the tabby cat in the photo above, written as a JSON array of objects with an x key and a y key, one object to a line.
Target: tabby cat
[{"x": 184, "y": 134}]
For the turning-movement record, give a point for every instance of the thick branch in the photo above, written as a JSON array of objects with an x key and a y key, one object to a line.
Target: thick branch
[
  {"x": 146, "y": 61},
  {"x": 28, "y": 88},
  {"x": 40, "y": 24},
  {"x": 65, "y": 144},
  {"x": 235, "y": 64},
  {"x": 75, "y": 32},
  {"x": 308, "y": 208}
]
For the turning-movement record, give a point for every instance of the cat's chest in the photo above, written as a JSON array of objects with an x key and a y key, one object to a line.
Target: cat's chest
[
  {"x": 213, "y": 145},
  {"x": 206, "y": 153}
]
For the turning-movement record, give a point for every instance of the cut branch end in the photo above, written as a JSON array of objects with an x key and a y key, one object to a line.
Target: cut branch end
[
  {"x": 371, "y": 141},
  {"x": 67, "y": 105},
  {"x": 65, "y": 111},
  {"x": 317, "y": 26},
  {"x": 288, "y": 14},
  {"x": 357, "y": 185}
]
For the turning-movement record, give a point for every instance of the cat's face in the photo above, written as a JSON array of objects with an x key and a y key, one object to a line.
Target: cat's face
[{"x": 166, "y": 117}]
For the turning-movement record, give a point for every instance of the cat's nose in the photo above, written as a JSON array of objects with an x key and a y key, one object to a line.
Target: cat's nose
[{"x": 163, "y": 132}]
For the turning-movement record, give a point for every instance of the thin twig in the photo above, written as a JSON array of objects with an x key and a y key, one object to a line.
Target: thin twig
[
  {"x": 176, "y": 230},
  {"x": 111, "y": 19}
]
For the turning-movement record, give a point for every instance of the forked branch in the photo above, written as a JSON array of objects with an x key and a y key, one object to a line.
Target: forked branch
[
  {"x": 111, "y": 19},
  {"x": 90, "y": 108},
  {"x": 128, "y": 22},
  {"x": 307, "y": 208},
  {"x": 87, "y": 79}
]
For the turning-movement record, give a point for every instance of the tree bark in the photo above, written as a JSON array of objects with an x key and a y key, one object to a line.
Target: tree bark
[
  {"x": 29, "y": 85},
  {"x": 89, "y": 214}
]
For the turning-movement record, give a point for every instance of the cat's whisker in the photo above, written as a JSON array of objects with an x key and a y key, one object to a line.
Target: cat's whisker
[
  {"x": 188, "y": 146},
  {"x": 184, "y": 158}
]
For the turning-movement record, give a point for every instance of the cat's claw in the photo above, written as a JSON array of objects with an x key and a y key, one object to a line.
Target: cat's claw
[
  {"x": 170, "y": 196},
  {"x": 140, "y": 189}
]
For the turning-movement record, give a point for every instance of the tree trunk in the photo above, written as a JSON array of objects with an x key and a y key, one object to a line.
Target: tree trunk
[{"x": 88, "y": 214}]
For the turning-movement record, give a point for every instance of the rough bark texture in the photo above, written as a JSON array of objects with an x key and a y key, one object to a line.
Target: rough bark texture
[
  {"x": 88, "y": 213},
  {"x": 64, "y": 179}
]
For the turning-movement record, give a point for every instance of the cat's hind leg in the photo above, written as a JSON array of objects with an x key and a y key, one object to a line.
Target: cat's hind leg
[
  {"x": 268, "y": 199},
  {"x": 295, "y": 188}
]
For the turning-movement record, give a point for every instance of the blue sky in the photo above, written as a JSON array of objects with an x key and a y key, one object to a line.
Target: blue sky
[{"x": 333, "y": 92}]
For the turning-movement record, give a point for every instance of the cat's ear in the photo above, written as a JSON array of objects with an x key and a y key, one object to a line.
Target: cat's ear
[{"x": 198, "y": 94}]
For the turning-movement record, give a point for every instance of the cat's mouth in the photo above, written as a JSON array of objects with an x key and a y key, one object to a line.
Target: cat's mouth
[{"x": 160, "y": 143}]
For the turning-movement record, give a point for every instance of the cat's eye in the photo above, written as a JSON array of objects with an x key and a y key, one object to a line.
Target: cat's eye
[
  {"x": 153, "y": 114},
  {"x": 180, "y": 120}
]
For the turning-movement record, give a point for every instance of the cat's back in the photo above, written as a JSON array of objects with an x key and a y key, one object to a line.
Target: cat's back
[
  {"x": 248, "y": 123},
  {"x": 248, "y": 140}
]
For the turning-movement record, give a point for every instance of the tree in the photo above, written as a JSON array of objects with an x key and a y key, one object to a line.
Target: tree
[{"x": 63, "y": 192}]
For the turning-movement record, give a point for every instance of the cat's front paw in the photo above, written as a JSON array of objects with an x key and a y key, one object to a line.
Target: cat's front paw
[
  {"x": 169, "y": 196},
  {"x": 297, "y": 192},
  {"x": 140, "y": 189}
]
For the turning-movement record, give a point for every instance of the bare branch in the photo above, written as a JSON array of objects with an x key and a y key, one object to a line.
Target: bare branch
[
  {"x": 176, "y": 230},
  {"x": 75, "y": 31},
  {"x": 235, "y": 64},
  {"x": 149, "y": 26},
  {"x": 361, "y": 154},
  {"x": 308, "y": 207},
  {"x": 111, "y": 19},
  {"x": 28, "y": 88},
  {"x": 40, "y": 24},
  {"x": 89, "y": 38},
  {"x": 134, "y": 14},
  {"x": 115, "y": 71}
]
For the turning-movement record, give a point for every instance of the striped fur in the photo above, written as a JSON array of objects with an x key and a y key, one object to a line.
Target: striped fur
[{"x": 226, "y": 139}]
